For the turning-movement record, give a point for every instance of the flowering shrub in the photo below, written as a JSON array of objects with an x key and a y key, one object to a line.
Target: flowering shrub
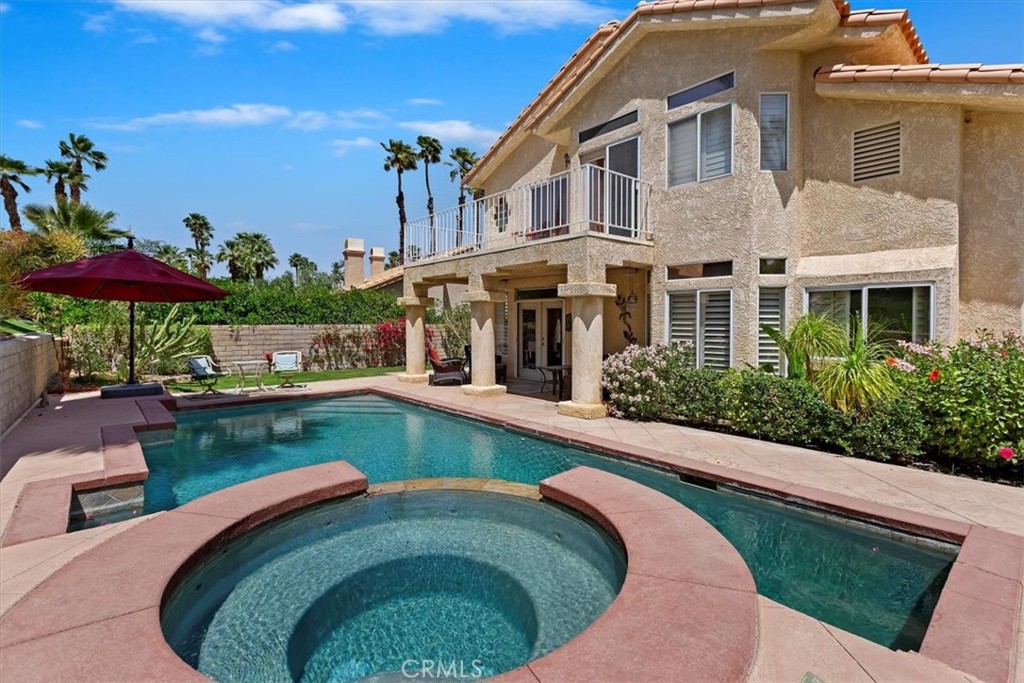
[
  {"x": 639, "y": 379},
  {"x": 972, "y": 395},
  {"x": 380, "y": 345}
]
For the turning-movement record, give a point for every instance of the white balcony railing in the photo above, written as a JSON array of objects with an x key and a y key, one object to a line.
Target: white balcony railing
[{"x": 584, "y": 199}]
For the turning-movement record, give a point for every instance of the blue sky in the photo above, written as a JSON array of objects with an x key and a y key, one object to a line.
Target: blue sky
[{"x": 265, "y": 115}]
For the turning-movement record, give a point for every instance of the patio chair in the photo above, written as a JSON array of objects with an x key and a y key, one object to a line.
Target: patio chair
[
  {"x": 446, "y": 370},
  {"x": 205, "y": 373},
  {"x": 286, "y": 364}
]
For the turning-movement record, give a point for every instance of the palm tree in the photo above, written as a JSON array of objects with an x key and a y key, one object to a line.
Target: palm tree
[
  {"x": 86, "y": 221},
  {"x": 400, "y": 158},
  {"x": 171, "y": 255},
  {"x": 296, "y": 261},
  {"x": 58, "y": 171},
  {"x": 80, "y": 150},
  {"x": 201, "y": 229},
  {"x": 430, "y": 153},
  {"x": 260, "y": 253},
  {"x": 463, "y": 159},
  {"x": 11, "y": 173},
  {"x": 233, "y": 252}
]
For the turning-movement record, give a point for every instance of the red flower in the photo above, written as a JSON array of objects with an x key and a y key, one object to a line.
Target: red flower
[
  {"x": 1006, "y": 453},
  {"x": 933, "y": 376},
  {"x": 891, "y": 362}
]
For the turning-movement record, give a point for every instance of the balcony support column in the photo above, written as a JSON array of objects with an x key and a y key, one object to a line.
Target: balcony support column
[
  {"x": 415, "y": 339},
  {"x": 481, "y": 304},
  {"x": 587, "y": 347}
]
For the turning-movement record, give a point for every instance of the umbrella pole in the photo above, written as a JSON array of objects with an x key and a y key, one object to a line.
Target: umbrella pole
[{"x": 131, "y": 342}]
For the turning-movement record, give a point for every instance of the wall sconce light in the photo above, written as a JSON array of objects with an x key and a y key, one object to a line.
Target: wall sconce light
[{"x": 566, "y": 159}]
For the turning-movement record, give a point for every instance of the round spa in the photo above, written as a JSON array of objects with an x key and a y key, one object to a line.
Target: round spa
[{"x": 437, "y": 584}]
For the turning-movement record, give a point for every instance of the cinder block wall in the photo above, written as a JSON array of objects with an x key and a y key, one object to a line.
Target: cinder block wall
[
  {"x": 26, "y": 365},
  {"x": 251, "y": 342}
]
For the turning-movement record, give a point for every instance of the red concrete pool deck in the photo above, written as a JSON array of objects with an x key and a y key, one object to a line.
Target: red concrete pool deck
[
  {"x": 985, "y": 586},
  {"x": 97, "y": 619}
]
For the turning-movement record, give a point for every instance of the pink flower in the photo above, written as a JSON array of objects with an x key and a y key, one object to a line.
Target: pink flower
[
  {"x": 1006, "y": 453},
  {"x": 933, "y": 376}
]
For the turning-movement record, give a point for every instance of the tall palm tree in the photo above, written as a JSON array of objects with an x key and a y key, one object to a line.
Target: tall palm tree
[
  {"x": 463, "y": 159},
  {"x": 171, "y": 255},
  {"x": 11, "y": 173},
  {"x": 201, "y": 229},
  {"x": 90, "y": 223},
  {"x": 233, "y": 252},
  {"x": 260, "y": 253},
  {"x": 400, "y": 158},
  {"x": 57, "y": 172},
  {"x": 297, "y": 261},
  {"x": 80, "y": 150},
  {"x": 430, "y": 153}
]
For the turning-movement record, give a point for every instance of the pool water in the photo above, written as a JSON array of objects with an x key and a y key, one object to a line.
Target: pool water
[
  {"x": 378, "y": 587},
  {"x": 861, "y": 580}
]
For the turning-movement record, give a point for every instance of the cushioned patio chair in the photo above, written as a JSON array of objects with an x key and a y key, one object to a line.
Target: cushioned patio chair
[
  {"x": 446, "y": 370},
  {"x": 205, "y": 373},
  {"x": 286, "y": 364}
]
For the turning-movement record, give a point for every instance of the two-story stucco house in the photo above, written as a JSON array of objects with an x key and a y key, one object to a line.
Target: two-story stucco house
[{"x": 705, "y": 166}]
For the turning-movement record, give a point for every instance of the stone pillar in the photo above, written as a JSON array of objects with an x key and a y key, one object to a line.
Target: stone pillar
[
  {"x": 376, "y": 261},
  {"x": 415, "y": 338},
  {"x": 587, "y": 347},
  {"x": 481, "y": 305},
  {"x": 353, "y": 258}
]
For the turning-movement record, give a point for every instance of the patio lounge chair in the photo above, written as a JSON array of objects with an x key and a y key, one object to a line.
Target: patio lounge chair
[
  {"x": 205, "y": 373},
  {"x": 446, "y": 370},
  {"x": 286, "y": 364}
]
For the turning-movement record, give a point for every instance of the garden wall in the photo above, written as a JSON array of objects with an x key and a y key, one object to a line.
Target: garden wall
[
  {"x": 251, "y": 342},
  {"x": 27, "y": 363}
]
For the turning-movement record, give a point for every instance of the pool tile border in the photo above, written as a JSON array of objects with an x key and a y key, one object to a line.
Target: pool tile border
[
  {"x": 704, "y": 610},
  {"x": 957, "y": 634}
]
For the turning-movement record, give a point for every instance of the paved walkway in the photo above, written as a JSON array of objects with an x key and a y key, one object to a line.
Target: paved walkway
[{"x": 63, "y": 439}]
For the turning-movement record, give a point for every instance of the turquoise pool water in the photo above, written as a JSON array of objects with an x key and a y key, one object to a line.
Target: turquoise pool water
[
  {"x": 860, "y": 580},
  {"x": 389, "y": 586}
]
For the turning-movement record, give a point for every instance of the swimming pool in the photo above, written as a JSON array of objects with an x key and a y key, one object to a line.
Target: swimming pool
[{"x": 863, "y": 581}]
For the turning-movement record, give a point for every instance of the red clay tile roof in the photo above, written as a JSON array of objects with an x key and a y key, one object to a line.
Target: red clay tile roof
[
  {"x": 921, "y": 73},
  {"x": 597, "y": 44}
]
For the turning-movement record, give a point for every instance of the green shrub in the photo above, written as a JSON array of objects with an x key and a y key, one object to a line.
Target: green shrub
[
  {"x": 765, "y": 406},
  {"x": 695, "y": 395},
  {"x": 972, "y": 396},
  {"x": 891, "y": 429}
]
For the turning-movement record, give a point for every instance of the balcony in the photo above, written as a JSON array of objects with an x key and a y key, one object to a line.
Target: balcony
[{"x": 586, "y": 199}]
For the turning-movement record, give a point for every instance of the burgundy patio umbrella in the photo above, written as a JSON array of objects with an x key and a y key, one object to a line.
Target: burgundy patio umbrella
[{"x": 125, "y": 275}]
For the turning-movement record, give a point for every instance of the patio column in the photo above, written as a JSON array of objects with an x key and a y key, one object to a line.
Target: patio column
[
  {"x": 415, "y": 338},
  {"x": 481, "y": 304},
  {"x": 587, "y": 347}
]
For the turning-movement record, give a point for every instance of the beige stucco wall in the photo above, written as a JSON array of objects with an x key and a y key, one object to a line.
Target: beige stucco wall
[
  {"x": 992, "y": 224},
  {"x": 956, "y": 188},
  {"x": 251, "y": 342},
  {"x": 27, "y": 363}
]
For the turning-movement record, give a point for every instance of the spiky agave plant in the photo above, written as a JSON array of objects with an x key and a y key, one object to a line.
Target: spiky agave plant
[{"x": 860, "y": 375}]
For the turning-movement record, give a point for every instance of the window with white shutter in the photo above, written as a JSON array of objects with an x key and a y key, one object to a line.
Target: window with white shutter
[
  {"x": 876, "y": 152},
  {"x": 774, "y": 122},
  {"x": 771, "y": 312},
  {"x": 700, "y": 147},
  {"x": 703, "y": 319}
]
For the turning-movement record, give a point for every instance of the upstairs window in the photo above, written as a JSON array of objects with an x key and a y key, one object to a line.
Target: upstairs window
[
  {"x": 700, "y": 147},
  {"x": 774, "y": 122},
  {"x": 699, "y": 92},
  {"x": 876, "y": 152},
  {"x": 692, "y": 270}
]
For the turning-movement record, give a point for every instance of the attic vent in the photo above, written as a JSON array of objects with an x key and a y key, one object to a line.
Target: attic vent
[{"x": 876, "y": 152}]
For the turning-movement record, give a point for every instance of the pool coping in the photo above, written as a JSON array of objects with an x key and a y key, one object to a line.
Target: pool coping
[
  {"x": 969, "y": 625},
  {"x": 695, "y": 595}
]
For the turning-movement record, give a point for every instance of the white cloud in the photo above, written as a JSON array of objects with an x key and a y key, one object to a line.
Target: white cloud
[
  {"x": 211, "y": 35},
  {"x": 341, "y": 147},
  {"x": 360, "y": 118},
  {"x": 309, "y": 120},
  {"x": 259, "y": 15},
  {"x": 97, "y": 23},
  {"x": 4, "y": 7},
  {"x": 220, "y": 117},
  {"x": 31, "y": 124},
  {"x": 398, "y": 17},
  {"x": 453, "y": 131},
  {"x": 282, "y": 46},
  {"x": 423, "y": 102}
]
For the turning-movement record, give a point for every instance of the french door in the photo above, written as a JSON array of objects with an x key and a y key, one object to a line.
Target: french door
[{"x": 541, "y": 338}]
